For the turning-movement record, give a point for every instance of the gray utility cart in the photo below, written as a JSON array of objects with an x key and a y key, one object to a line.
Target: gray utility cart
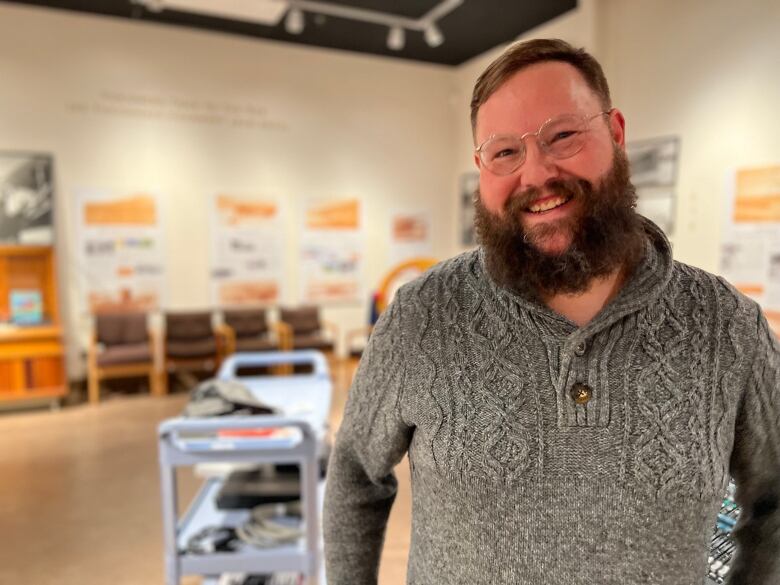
[{"x": 298, "y": 437}]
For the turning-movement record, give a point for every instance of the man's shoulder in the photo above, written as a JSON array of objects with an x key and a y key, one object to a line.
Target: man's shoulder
[{"x": 724, "y": 294}]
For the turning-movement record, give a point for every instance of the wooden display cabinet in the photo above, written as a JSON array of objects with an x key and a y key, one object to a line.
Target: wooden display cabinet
[{"x": 32, "y": 361}]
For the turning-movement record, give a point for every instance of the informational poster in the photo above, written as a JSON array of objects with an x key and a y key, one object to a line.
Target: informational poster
[
  {"x": 410, "y": 236},
  {"x": 26, "y": 198},
  {"x": 120, "y": 255},
  {"x": 750, "y": 250},
  {"x": 332, "y": 252},
  {"x": 247, "y": 250}
]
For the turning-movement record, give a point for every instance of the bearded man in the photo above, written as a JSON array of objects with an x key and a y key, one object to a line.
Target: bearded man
[{"x": 573, "y": 401}]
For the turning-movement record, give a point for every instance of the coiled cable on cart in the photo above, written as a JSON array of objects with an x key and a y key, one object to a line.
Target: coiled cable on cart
[
  {"x": 212, "y": 539},
  {"x": 264, "y": 528}
]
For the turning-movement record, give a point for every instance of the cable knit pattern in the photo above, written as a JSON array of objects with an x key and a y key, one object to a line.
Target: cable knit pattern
[{"x": 515, "y": 482}]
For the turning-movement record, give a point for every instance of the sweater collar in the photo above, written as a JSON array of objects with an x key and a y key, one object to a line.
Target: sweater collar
[{"x": 646, "y": 283}]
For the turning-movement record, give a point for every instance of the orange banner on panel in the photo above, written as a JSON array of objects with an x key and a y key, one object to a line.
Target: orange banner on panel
[
  {"x": 138, "y": 210},
  {"x": 408, "y": 228},
  {"x": 236, "y": 211},
  {"x": 121, "y": 301},
  {"x": 340, "y": 215},
  {"x": 331, "y": 291},
  {"x": 758, "y": 195},
  {"x": 242, "y": 293},
  {"x": 750, "y": 289}
]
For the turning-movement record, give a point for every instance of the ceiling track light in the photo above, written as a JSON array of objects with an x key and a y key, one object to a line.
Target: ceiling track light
[
  {"x": 433, "y": 36},
  {"x": 151, "y": 5},
  {"x": 396, "y": 38},
  {"x": 293, "y": 22},
  {"x": 398, "y": 25}
]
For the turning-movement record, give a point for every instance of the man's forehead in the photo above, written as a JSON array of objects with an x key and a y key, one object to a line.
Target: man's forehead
[{"x": 534, "y": 94}]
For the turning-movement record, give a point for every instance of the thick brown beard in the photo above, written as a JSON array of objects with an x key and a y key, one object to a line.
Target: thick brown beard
[{"x": 606, "y": 234}]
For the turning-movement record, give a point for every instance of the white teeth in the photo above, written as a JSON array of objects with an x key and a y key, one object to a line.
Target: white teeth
[{"x": 548, "y": 204}]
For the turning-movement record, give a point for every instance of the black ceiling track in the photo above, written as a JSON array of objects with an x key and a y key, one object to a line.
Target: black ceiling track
[{"x": 469, "y": 30}]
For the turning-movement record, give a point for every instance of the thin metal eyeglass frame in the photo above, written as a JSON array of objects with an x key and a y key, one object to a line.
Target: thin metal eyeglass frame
[{"x": 587, "y": 119}]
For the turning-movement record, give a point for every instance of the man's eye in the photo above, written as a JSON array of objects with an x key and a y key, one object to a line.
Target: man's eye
[
  {"x": 505, "y": 153},
  {"x": 562, "y": 135}
]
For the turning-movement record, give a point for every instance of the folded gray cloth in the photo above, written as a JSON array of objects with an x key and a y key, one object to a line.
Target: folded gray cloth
[{"x": 224, "y": 397}]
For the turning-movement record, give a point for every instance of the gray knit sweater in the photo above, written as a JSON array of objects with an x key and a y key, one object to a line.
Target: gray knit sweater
[{"x": 516, "y": 482}]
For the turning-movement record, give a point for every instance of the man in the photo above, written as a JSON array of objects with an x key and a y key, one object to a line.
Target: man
[{"x": 572, "y": 400}]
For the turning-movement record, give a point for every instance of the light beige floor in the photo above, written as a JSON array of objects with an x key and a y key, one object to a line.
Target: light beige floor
[{"x": 80, "y": 497}]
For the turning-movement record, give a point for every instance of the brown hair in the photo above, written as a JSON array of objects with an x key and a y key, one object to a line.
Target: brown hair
[{"x": 521, "y": 55}]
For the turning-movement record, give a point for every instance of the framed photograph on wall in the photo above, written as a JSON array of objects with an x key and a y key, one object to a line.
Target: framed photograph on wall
[
  {"x": 26, "y": 198},
  {"x": 653, "y": 165},
  {"x": 469, "y": 182},
  {"x": 653, "y": 162}
]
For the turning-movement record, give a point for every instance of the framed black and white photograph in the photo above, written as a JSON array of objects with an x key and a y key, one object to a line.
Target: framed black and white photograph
[
  {"x": 469, "y": 182},
  {"x": 26, "y": 198},
  {"x": 653, "y": 162},
  {"x": 653, "y": 165}
]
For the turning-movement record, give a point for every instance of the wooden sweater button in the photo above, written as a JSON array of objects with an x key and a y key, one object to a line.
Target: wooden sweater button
[{"x": 580, "y": 393}]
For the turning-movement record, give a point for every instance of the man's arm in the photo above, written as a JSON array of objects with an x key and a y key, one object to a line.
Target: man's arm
[
  {"x": 755, "y": 466},
  {"x": 372, "y": 439}
]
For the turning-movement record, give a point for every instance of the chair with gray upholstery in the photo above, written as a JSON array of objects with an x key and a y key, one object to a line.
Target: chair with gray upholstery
[
  {"x": 306, "y": 330},
  {"x": 121, "y": 346},
  {"x": 190, "y": 342},
  {"x": 247, "y": 330}
]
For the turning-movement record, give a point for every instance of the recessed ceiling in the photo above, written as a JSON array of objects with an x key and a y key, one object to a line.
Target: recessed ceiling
[{"x": 470, "y": 29}]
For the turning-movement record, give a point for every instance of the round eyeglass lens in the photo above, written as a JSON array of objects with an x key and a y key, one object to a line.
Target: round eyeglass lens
[
  {"x": 502, "y": 155},
  {"x": 563, "y": 137}
]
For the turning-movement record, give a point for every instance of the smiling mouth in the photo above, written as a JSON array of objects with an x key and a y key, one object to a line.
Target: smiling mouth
[{"x": 548, "y": 204}]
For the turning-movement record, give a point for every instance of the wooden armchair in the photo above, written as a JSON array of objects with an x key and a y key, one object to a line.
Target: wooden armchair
[
  {"x": 247, "y": 330},
  {"x": 121, "y": 346},
  {"x": 303, "y": 327},
  {"x": 190, "y": 343}
]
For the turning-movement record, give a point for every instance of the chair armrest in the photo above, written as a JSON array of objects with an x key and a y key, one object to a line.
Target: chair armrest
[
  {"x": 162, "y": 341},
  {"x": 155, "y": 343},
  {"x": 284, "y": 335},
  {"x": 93, "y": 348},
  {"x": 332, "y": 329},
  {"x": 226, "y": 338}
]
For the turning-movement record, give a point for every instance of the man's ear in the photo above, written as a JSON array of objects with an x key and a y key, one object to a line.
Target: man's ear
[{"x": 617, "y": 127}]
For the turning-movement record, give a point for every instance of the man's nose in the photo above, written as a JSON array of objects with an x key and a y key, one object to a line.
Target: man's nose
[{"x": 538, "y": 166}]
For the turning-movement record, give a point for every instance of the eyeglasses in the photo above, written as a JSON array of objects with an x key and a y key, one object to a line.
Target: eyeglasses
[{"x": 560, "y": 137}]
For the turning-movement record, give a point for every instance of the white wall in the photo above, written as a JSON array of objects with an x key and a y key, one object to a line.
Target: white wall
[{"x": 355, "y": 126}]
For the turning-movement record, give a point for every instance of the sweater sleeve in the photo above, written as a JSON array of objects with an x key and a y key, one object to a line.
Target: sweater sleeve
[
  {"x": 755, "y": 466},
  {"x": 371, "y": 441}
]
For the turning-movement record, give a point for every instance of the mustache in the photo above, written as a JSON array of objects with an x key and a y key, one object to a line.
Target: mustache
[{"x": 569, "y": 188}]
